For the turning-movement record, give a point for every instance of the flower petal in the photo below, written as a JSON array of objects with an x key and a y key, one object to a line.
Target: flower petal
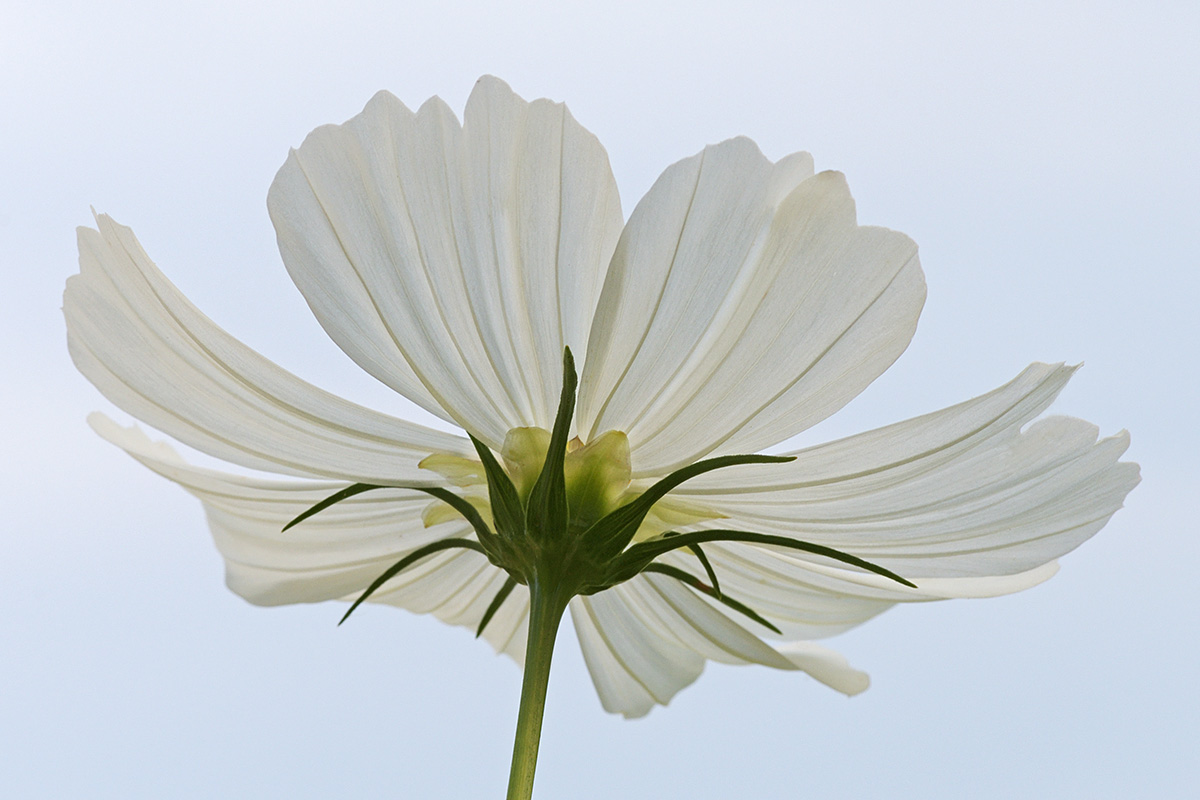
[
  {"x": 634, "y": 664},
  {"x": 807, "y": 600},
  {"x": 337, "y": 553},
  {"x": 646, "y": 639},
  {"x": 151, "y": 352},
  {"x": 453, "y": 263},
  {"x": 827, "y": 666},
  {"x": 972, "y": 491},
  {"x": 963, "y": 501},
  {"x": 743, "y": 305}
]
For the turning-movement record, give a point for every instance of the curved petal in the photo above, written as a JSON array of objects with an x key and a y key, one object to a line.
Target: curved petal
[
  {"x": 453, "y": 263},
  {"x": 337, "y": 553},
  {"x": 972, "y": 491},
  {"x": 634, "y": 664},
  {"x": 806, "y": 600},
  {"x": 827, "y": 666},
  {"x": 646, "y": 639},
  {"x": 971, "y": 501},
  {"x": 743, "y": 305},
  {"x": 151, "y": 352}
]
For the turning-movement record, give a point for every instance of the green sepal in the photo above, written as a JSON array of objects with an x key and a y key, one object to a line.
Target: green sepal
[
  {"x": 468, "y": 511},
  {"x": 708, "y": 569},
  {"x": 451, "y": 499},
  {"x": 506, "y": 503},
  {"x": 638, "y": 557},
  {"x": 494, "y": 606},
  {"x": 409, "y": 560},
  {"x": 695, "y": 583},
  {"x": 463, "y": 507},
  {"x": 546, "y": 510},
  {"x": 336, "y": 497},
  {"x": 610, "y": 535}
]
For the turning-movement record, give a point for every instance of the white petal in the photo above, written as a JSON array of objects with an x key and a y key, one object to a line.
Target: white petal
[
  {"x": 453, "y": 263},
  {"x": 962, "y": 501},
  {"x": 743, "y": 305},
  {"x": 633, "y": 661},
  {"x": 973, "y": 491},
  {"x": 827, "y": 666},
  {"x": 807, "y": 600},
  {"x": 646, "y": 639},
  {"x": 337, "y": 553},
  {"x": 703, "y": 627},
  {"x": 150, "y": 351},
  {"x": 804, "y": 603}
]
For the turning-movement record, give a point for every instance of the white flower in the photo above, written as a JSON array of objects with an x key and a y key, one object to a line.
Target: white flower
[{"x": 738, "y": 306}]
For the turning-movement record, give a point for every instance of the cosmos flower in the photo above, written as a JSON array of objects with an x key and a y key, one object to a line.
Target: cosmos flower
[{"x": 739, "y": 305}]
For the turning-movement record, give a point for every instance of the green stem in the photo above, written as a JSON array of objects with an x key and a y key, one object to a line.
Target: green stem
[{"x": 546, "y": 607}]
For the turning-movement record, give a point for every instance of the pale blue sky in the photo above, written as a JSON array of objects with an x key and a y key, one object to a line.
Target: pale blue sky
[{"x": 1043, "y": 155}]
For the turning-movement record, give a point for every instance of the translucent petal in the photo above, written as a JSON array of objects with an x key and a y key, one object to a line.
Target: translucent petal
[
  {"x": 972, "y": 491},
  {"x": 807, "y": 600},
  {"x": 633, "y": 662},
  {"x": 827, "y": 666},
  {"x": 976, "y": 500},
  {"x": 646, "y": 639},
  {"x": 743, "y": 305},
  {"x": 337, "y": 553},
  {"x": 151, "y": 352},
  {"x": 453, "y": 262}
]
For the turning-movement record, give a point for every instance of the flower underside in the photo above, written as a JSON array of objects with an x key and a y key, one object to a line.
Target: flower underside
[
  {"x": 563, "y": 514},
  {"x": 739, "y": 304}
]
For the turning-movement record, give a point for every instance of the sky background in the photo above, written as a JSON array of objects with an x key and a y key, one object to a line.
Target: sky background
[{"x": 1043, "y": 155}]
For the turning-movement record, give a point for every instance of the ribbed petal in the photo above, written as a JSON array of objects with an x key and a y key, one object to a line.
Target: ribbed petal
[
  {"x": 337, "y": 553},
  {"x": 807, "y": 600},
  {"x": 743, "y": 305},
  {"x": 151, "y": 352},
  {"x": 976, "y": 500},
  {"x": 453, "y": 263},
  {"x": 646, "y": 639},
  {"x": 972, "y": 491},
  {"x": 633, "y": 659}
]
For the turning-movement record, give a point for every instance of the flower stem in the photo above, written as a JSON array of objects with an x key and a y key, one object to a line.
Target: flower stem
[{"x": 546, "y": 607}]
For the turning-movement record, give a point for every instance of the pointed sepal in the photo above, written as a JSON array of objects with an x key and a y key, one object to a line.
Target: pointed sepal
[
  {"x": 408, "y": 561},
  {"x": 639, "y": 556},
  {"x": 336, "y": 497},
  {"x": 546, "y": 511},
  {"x": 494, "y": 606},
  {"x": 695, "y": 583},
  {"x": 708, "y": 568},
  {"x": 611, "y": 534},
  {"x": 507, "y": 512}
]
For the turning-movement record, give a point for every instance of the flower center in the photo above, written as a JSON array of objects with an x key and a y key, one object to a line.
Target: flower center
[
  {"x": 598, "y": 481},
  {"x": 597, "y": 474},
  {"x": 566, "y": 519}
]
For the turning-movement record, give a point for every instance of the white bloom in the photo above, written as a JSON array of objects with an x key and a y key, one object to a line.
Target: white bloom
[{"x": 739, "y": 305}]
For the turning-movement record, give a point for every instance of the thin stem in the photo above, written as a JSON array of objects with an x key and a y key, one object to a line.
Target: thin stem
[{"x": 546, "y": 607}]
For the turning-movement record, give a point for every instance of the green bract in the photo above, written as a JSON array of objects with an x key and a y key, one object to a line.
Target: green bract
[
  {"x": 557, "y": 519},
  {"x": 739, "y": 304},
  {"x": 560, "y": 529}
]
